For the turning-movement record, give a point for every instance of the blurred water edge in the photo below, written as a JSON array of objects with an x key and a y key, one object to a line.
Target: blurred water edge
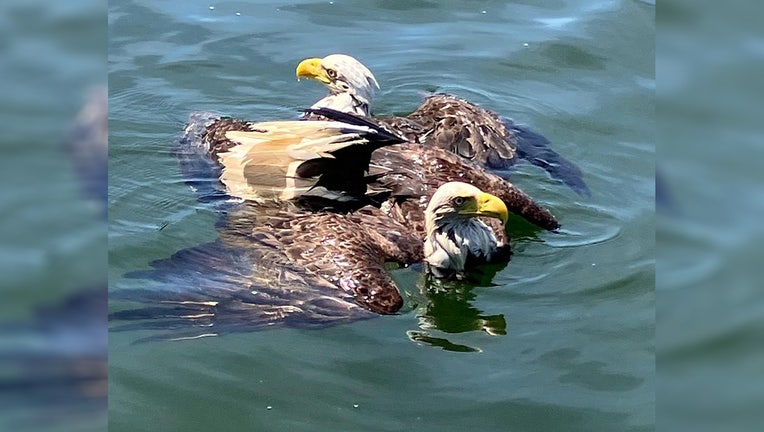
[
  {"x": 710, "y": 60},
  {"x": 53, "y": 247}
]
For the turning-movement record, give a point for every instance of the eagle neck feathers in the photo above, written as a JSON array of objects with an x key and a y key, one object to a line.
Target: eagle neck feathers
[{"x": 449, "y": 243}]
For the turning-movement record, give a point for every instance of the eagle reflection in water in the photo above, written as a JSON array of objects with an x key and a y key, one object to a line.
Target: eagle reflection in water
[{"x": 449, "y": 310}]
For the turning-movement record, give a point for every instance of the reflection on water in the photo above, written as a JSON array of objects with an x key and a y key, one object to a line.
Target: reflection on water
[
  {"x": 219, "y": 288},
  {"x": 215, "y": 289},
  {"x": 448, "y": 307}
]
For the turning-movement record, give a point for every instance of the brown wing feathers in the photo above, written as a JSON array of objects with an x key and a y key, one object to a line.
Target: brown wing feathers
[
  {"x": 349, "y": 251},
  {"x": 433, "y": 167},
  {"x": 479, "y": 135},
  {"x": 460, "y": 127},
  {"x": 407, "y": 171}
]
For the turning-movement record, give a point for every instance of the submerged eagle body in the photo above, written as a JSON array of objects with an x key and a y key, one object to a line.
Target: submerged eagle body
[
  {"x": 326, "y": 204},
  {"x": 286, "y": 266},
  {"x": 287, "y": 262},
  {"x": 398, "y": 180},
  {"x": 442, "y": 120}
]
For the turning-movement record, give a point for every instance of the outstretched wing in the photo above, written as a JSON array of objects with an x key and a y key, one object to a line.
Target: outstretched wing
[
  {"x": 416, "y": 171},
  {"x": 217, "y": 288},
  {"x": 284, "y": 160},
  {"x": 467, "y": 130},
  {"x": 479, "y": 135},
  {"x": 272, "y": 267}
]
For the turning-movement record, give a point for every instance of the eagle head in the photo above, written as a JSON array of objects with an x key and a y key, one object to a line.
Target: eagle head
[
  {"x": 351, "y": 85},
  {"x": 454, "y": 232}
]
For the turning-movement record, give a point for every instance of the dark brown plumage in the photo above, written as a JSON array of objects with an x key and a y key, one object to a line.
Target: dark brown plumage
[
  {"x": 276, "y": 266},
  {"x": 293, "y": 261},
  {"x": 282, "y": 262},
  {"x": 348, "y": 251},
  {"x": 415, "y": 171},
  {"x": 460, "y": 127},
  {"x": 363, "y": 240},
  {"x": 442, "y": 120},
  {"x": 479, "y": 135},
  {"x": 410, "y": 173}
]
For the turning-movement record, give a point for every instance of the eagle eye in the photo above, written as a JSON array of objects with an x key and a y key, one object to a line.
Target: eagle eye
[
  {"x": 458, "y": 201},
  {"x": 331, "y": 73}
]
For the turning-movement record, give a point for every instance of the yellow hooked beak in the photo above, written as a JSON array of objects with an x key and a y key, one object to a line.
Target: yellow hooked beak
[
  {"x": 311, "y": 68},
  {"x": 490, "y": 206}
]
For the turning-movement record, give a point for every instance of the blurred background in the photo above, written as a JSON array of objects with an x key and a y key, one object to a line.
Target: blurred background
[
  {"x": 53, "y": 241},
  {"x": 561, "y": 339},
  {"x": 710, "y": 309}
]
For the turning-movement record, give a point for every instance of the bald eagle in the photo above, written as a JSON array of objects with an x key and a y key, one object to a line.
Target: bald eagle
[
  {"x": 282, "y": 265},
  {"x": 351, "y": 158},
  {"x": 442, "y": 120},
  {"x": 282, "y": 260},
  {"x": 326, "y": 205},
  {"x": 349, "y": 163},
  {"x": 345, "y": 163}
]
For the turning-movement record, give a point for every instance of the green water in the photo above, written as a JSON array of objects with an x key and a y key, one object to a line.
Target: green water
[{"x": 578, "y": 353}]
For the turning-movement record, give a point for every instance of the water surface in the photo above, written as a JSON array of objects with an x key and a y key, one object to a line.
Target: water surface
[{"x": 562, "y": 339}]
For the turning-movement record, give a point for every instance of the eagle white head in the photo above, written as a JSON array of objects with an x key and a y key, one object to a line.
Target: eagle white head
[
  {"x": 351, "y": 85},
  {"x": 454, "y": 232}
]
